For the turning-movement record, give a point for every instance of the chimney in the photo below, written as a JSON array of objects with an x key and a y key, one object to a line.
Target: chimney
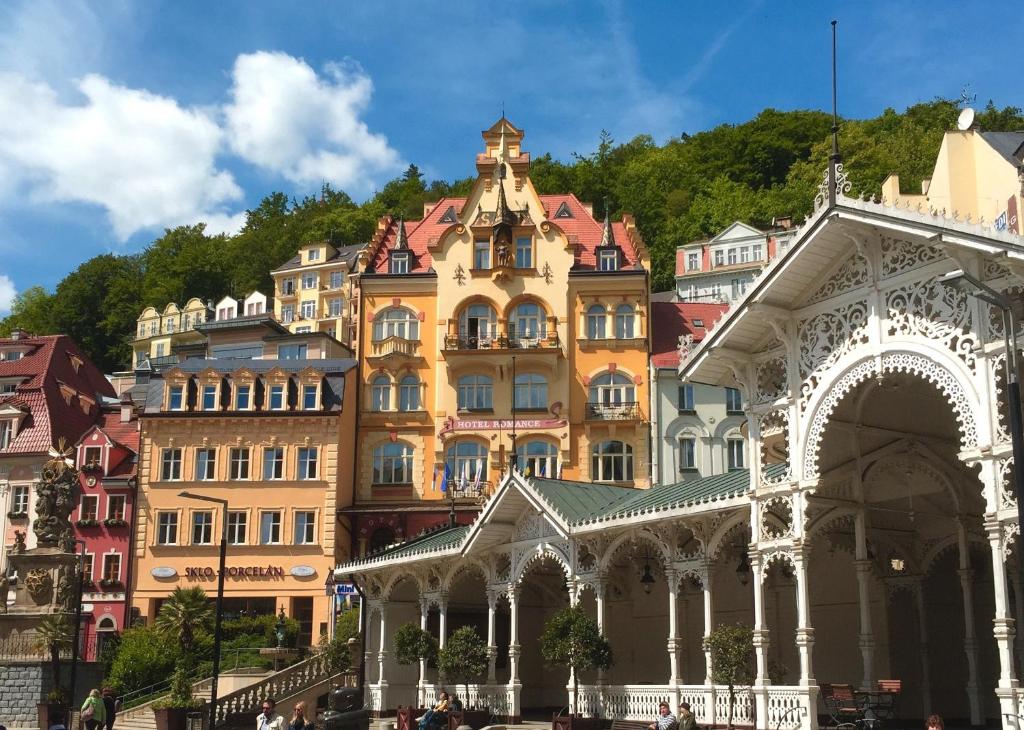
[
  {"x": 126, "y": 408},
  {"x": 784, "y": 222},
  {"x": 19, "y": 334}
]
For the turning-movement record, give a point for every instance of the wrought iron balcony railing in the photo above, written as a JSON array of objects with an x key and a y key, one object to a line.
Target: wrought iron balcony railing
[
  {"x": 500, "y": 342},
  {"x": 629, "y": 411}
]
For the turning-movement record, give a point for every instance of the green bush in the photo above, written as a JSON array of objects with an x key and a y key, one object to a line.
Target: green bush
[
  {"x": 143, "y": 658},
  {"x": 347, "y": 624}
]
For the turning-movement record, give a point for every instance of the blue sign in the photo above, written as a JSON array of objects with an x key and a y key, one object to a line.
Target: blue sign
[{"x": 345, "y": 589}]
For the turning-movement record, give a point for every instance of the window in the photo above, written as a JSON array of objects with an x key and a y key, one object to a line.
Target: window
[
  {"x": 167, "y": 528},
  {"x": 611, "y": 461},
  {"x": 288, "y": 286},
  {"x": 624, "y": 319},
  {"x": 596, "y": 322},
  {"x": 744, "y": 254},
  {"x": 698, "y": 322},
  {"x": 739, "y": 288},
  {"x": 692, "y": 261},
  {"x": 399, "y": 262},
  {"x": 309, "y": 399},
  {"x": 19, "y": 500},
  {"x": 209, "y": 397},
  {"x": 531, "y": 392},
  {"x": 277, "y": 397},
  {"x": 307, "y": 463},
  {"x": 538, "y": 459},
  {"x": 524, "y": 253},
  {"x": 238, "y": 523},
  {"x": 254, "y": 308},
  {"x": 11, "y": 355},
  {"x": 206, "y": 465},
  {"x": 719, "y": 257},
  {"x": 482, "y": 254},
  {"x": 528, "y": 321},
  {"x": 170, "y": 326},
  {"x": 115, "y": 507},
  {"x": 475, "y": 392},
  {"x": 686, "y": 398},
  {"x": 392, "y": 464},
  {"x": 687, "y": 453},
  {"x": 396, "y": 323},
  {"x": 477, "y": 323},
  {"x": 202, "y": 528},
  {"x": 87, "y": 565},
  {"x": 6, "y": 388},
  {"x": 170, "y": 465},
  {"x": 273, "y": 463},
  {"x": 224, "y": 313},
  {"x": 380, "y": 394},
  {"x": 291, "y": 352},
  {"x": 176, "y": 398},
  {"x": 735, "y": 447},
  {"x": 287, "y": 313},
  {"x": 336, "y": 278},
  {"x": 93, "y": 456},
  {"x": 313, "y": 254},
  {"x": 334, "y": 308},
  {"x": 563, "y": 211},
  {"x": 409, "y": 394},
  {"x": 270, "y": 528},
  {"x": 731, "y": 256},
  {"x": 755, "y": 252},
  {"x": 716, "y": 291},
  {"x": 733, "y": 401},
  {"x": 242, "y": 395},
  {"x": 239, "y": 463},
  {"x": 305, "y": 527},
  {"x": 467, "y": 462},
  {"x": 90, "y": 507},
  {"x": 309, "y": 280},
  {"x": 6, "y": 433},
  {"x": 611, "y": 389},
  {"x": 609, "y": 260},
  {"x": 308, "y": 309},
  {"x": 112, "y": 567}
]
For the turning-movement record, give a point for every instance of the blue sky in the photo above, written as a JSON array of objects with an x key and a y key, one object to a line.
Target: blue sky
[{"x": 120, "y": 118}]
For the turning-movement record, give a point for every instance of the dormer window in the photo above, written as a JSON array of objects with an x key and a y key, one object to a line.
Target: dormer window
[
  {"x": 608, "y": 259},
  {"x": 399, "y": 263},
  {"x": 310, "y": 401},
  {"x": 563, "y": 211},
  {"x": 277, "y": 397},
  {"x": 449, "y": 216},
  {"x": 12, "y": 355},
  {"x": 698, "y": 323},
  {"x": 93, "y": 456},
  {"x": 6, "y": 433},
  {"x": 176, "y": 398},
  {"x": 209, "y": 397},
  {"x": 313, "y": 254}
]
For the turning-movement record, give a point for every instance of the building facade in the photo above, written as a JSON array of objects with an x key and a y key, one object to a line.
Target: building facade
[
  {"x": 721, "y": 270},
  {"x": 49, "y": 392},
  {"x": 504, "y": 322},
  {"x": 107, "y": 459},
  {"x": 159, "y": 333},
  {"x": 273, "y": 438}
]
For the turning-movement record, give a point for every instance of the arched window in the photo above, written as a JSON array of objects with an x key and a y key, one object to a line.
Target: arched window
[
  {"x": 527, "y": 322},
  {"x": 392, "y": 464},
  {"x": 380, "y": 393},
  {"x": 624, "y": 319},
  {"x": 106, "y": 630},
  {"x": 381, "y": 538},
  {"x": 475, "y": 392},
  {"x": 396, "y": 322},
  {"x": 595, "y": 322},
  {"x": 409, "y": 394},
  {"x": 612, "y": 389},
  {"x": 478, "y": 323},
  {"x": 531, "y": 392},
  {"x": 538, "y": 459},
  {"x": 611, "y": 461},
  {"x": 467, "y": 463}
]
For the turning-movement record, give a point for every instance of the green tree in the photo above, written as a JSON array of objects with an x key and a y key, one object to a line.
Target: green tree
[
  {"x": 573, "y": 640},
  {"x": 32, "y": 311},
  {"x": 143, "y": 658},
  {"x": 732, "y": 659},
  {"x": 412, "y": 644},
  {"x": 185, "y": 613},
  {"x": 464, "y": 657},
  {"x": 53, "y": 635}
]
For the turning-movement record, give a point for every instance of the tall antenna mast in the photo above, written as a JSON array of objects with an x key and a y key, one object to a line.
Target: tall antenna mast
[
  {"x": 515, "y": 453},
  {"x": 834, "y": 159}
]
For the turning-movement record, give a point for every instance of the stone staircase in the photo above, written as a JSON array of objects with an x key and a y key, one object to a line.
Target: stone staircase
[{"x": 141, "y": 716}]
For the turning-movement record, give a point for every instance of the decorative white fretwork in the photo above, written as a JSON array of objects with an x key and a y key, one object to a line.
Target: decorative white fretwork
[
  {"x": 933, "y": 311},
  {"x": 1011, "y": 533},
  {"x": 843, "y": 185},
  {"x": 854, "y": 272},
  {"x": 770, "y": 377},
  {"x": 777, "y": 518},
  {"x": 826, "y": 337},
  {"x": 532, "y": 526},
  {"x": 997, "y": 370},
  {"x": 773, "y": 433},
  {"x": 903, "y": 362},
  {"x": 685, "y": 346},
  {"x": 1007, "y": 496},
  {"x": 899, "y": 255}
]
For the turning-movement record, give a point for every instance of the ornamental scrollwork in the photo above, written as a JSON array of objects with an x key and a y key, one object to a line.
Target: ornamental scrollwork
[
  {"x": 776, "y": 518},
  {"x": 780, "y": 557},
  {"x": 1011, "y": 533},
  {"x": 899, "y": 255},
  {"x": 853, "y": 273},
  {"x": 770, "y": 379},
  {"x": 773, "y": 434},
  {"x": 824, "y": 338},
  {"x": 685, "y": 346},
  {"x": 843, "y": 185},
  {"x": 933, "y": 311},
  {"x": 1007, "y": 495},
  {"x": 997, "y": 371}
]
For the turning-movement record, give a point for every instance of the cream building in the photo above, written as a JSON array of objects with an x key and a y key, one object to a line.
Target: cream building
[{"x": 159, "y": 332}]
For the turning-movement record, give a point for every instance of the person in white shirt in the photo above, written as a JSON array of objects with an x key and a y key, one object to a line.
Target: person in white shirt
[
  {"x": 666, "y": 720},
  {"x": 268, "y": 719}
]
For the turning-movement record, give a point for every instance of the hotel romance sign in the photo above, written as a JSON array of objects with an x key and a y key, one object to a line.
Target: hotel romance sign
[
  {"x": 500, "y": 424},
  {"x": 255, "y": 572}
]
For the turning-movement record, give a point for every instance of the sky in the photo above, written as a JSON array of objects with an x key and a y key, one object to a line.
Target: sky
[{"x": 120, "y": 119}]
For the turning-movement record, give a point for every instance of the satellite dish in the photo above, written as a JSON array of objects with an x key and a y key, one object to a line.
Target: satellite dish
[{"x": 965, "y": 120}]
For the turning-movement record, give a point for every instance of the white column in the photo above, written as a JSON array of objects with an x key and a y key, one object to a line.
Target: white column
[
  {"x": 492, "y": 642},
  {"x": 442, "y": 629},
  {"x": 1002, "y": 625},
  {"x": 866, "y": 640},
  {"x": 672, "y": 583},
  {"x": 970, "y": 636},
  {"x": 382, "y": 655},
  {"x": 804, "y": 631},
  {"x": 922, "y": 621},
  {"x": 514, "y": 651},
  {"x": 421, "y": 695},
  {"x": 709, "y": 621},
  {"x": 761, "y": 633}
]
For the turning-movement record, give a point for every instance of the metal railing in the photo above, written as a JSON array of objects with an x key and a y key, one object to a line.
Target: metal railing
[
  {"x": 25, "y": 648},
  {"x": 629, "y": 411}
]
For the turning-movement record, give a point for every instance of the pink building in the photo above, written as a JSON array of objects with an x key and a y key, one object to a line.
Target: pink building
[{"x": 107, "y": 458}]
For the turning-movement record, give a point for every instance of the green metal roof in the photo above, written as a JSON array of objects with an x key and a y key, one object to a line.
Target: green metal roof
[
  {"x": 575, "y": 501},
  {"x": 431, "y": 542}
]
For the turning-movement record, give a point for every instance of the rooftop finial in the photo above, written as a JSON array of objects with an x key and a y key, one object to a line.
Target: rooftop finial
[
  {"x": 401, "y": 239},
  {"x": 835, "y": 159},
  {"x": 607, "y": 238}
]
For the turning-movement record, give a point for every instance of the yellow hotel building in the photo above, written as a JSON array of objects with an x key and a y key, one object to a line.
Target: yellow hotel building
[
  {"x": 273, "y": 438},
  {"x": 503, "y": 292}
]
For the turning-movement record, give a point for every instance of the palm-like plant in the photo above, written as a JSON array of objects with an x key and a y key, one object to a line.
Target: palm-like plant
[
  {"x": 52, "y": 636},
  {"x": 183, "y": 615}
]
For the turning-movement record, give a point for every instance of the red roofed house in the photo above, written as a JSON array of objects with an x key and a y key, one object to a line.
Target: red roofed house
[
  {"x": 107, "y": 459},
  {"x": 504, "y": 326},
  {"x": 697, "y": 430},
  {"x": 49, "y": 390}
]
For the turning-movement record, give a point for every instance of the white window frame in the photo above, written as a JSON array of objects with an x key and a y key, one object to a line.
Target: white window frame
[
  {"x": 307, "y": 309},
  {"x": 733, "y": 401},
  {"x": 272, "y": 524},
  {"x": 308, "y": 463},
  {"x": 280, "y": 389},
  {"x": 687, "y": 452},
  {"x": 597, "y": 322},
  {"x": 336, "y": 279},
  {"x": 113, "y": 499},
  {"x": 603, "y": 460},
  {"x": 409, "y": 394},
  {"x": 20, "y": 496},
  {"x": 309, "y": 280},
  {"x": 735, "y": 452},
  {"x": 243, "y": 404},
  {"x": 94, "y": 501},
  {"x": 625, "y": 322},
  {"x": 385, "y": 459},
  {"x": 239, "y": 463},
  {"x": 685, "y": 399},
  {"x": 380, "y": 394},
  {"x": 481, "y": 254},
  {"x": 120, "y": 566},
  {"x": 206, "y": 468},
  {"x": 200, "y": 523},
  {"x": 238, "y": 521},
  {"x": 208, "y": 390},
  {"x": 163, "y": 527},
  {"x": 475, "y": 393},
  {"x": 524, "y": 244},
  {"x": 609, "y": 260},
  {"x": 692, "y": 260},
  {"x": 277, "y": 473},
  {"x": 170, "y": 464},
  {"x": 304, "y": 534}
]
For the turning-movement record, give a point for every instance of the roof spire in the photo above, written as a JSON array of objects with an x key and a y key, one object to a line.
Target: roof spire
[
  {"x": 607, "y": 237},
  {"x": 835, "y": 160},
  {"x": 503, "y": 214},
  {"x": 502, "y": 149},
  {"x": 401, "y": 239}
]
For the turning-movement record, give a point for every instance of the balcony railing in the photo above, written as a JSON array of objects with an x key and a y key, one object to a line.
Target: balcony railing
[
  {"x": 613, "y": 411},
  {"x": 394, "y": 346},
  {"x": 466, "y": 342}
]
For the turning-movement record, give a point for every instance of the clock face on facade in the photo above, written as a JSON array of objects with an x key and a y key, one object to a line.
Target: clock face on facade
[{"x": 91, "y": 481}]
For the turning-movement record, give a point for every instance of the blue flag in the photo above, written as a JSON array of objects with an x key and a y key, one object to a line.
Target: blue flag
[{"x": 444, "y": 479}]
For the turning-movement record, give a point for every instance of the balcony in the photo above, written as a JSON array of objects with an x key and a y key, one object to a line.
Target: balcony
[
  {"x": 469, "y": 344},
  {"x": 393, "y": 348},
  {"x": 613, "y": 411}
]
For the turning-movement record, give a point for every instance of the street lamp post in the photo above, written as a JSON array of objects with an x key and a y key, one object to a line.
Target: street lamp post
[
  {"x": 218, "y": 616},
  {"x": 78, "y": 625},
  {"x": 972, "y": 286}
]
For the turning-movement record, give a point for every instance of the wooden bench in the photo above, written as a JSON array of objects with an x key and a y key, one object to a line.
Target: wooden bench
[{"x": 631, "y": 724}]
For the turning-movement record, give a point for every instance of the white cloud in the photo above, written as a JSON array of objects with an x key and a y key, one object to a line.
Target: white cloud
[
  {"x": 144, "y": 158},
  {"x": 7, "y": 293},
  {"x": 285, "y": 118}
]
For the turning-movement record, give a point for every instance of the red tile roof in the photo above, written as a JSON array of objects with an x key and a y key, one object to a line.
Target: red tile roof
[
  {"x": 582, "y": 229},
  {"x": 48, "y": 365},
  {"x": 671, "y": 320}
]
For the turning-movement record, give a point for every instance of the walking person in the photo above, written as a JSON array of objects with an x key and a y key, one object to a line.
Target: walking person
[
  {"x": 299, "y": 719},
  {"x": 110, "y": 705},
  {"x": 269, "y": 719},
  {"x": 94, "y": 713}
]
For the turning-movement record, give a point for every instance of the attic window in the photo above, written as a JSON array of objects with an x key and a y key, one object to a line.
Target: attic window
[
  {"x": 449, "y": 216},
  {"x": 608, "y": 259},
  {"x": 399, "y": 263},
  {"x": 698, "y": 323},
  {"x": 11, "y": 355},
  {"x": 76, "y": 361},
  {"x": 563, "y": 211}
]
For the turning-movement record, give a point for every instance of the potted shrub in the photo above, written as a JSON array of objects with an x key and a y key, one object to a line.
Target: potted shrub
[
  {"x": 411, "y": 645},
  {"x": 732, "y": 659},
  {"x": 115, "y": 522},
  {"x": 87, "y": 523},
  {"x": 462, "y": 660},
  {"x": 52, "y": 636},
  {"x": 573, "y": 640},
  {"x": 171, "y": 713},
  {"x": 182, "y": 616},
  {"x": 55, "y": 709}
]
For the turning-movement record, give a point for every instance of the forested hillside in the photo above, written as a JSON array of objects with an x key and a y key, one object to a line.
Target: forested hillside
[{"x": 690, "y": 187}]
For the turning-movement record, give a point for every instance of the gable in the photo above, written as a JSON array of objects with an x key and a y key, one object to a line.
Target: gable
[{"x": 736, "y": 231}]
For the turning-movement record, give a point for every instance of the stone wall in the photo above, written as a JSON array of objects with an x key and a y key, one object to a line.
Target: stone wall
[{"x": 23, "y": 684}]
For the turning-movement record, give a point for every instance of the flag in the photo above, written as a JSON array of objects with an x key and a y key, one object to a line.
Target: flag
[
  {"x": 560, "y": 471},
  {"x": 479, "y": 472},
  {"x": 444, "y": 479},
  {"x": 464, "y": 477},
  {"x": 433, "y": 481}
]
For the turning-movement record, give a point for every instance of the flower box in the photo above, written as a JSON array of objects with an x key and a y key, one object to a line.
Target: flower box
[
  {"x": 115, "y": 522},
  {"x": 111, "y": 585},
  {"x": 87, "y": 523},
  {"x": 17, "y": 515}
]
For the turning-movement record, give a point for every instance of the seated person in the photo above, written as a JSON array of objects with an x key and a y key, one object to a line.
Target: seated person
[
  {"x": 436, "y": 715},
  {"x": 665, "y": 720},
  {"x": 455, "y": 704},
  {"x": 686, "y": 719}
]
